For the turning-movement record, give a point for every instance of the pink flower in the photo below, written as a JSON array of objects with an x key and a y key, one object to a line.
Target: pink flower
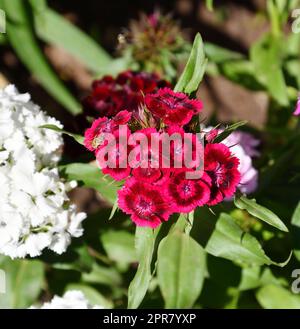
[
  {"x": 93, "y": 136},
  {"x": 173, "y": 108},
  {"x": 297, "y": 111},
  {"x": 122, "y": 117},
  {"x": 222, "y": 168},
  {"x": 187, "y": 194},
  {"x": 113, "y": 161},
  {"x": 147, "y": 204}
]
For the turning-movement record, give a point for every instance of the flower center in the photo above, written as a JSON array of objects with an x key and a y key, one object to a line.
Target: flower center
[{"x": 144, "y": 207}]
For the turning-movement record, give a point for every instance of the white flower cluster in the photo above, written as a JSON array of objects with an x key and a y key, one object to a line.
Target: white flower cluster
[
  {"x": 35, "y": 211},
  {"x": 72, "y": 299}
]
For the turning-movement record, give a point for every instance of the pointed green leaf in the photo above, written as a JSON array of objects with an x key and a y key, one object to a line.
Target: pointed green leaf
[
  {"x": 194, "y": 70},
  {"x": 260, "y": 212},
  {"x": 228, "y": 130},
  {"x": 229, "y": 241},
  {"x": 180, "y": 270},
  {"x": 78, "y": 138},
  {"x": 55, "y": 29},
  {"x": 21, "y": 38},
  {"x": 144, "y": 244}
]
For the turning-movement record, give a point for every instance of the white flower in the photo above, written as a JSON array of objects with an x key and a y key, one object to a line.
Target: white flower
[
  {"x": 73, "y": 299},
  {"x": 35, "y": 211}
]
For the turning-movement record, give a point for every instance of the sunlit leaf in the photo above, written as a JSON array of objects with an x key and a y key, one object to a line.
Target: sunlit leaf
[
  {"x": 180, "y": 270},
  {"x": 258, "y": 211}
]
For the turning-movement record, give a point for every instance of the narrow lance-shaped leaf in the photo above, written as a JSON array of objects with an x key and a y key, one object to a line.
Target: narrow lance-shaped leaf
[
  {"x": 78, "y": 138},
  {"x": 260, "y": 212},
  {"x": 22, "y": 39},
  {"x": 180, "y": 270},
  {"x": 194, "y": 70},
  {"x": 55, "y": 29},
  {"x": 144, "y": 244},
  {"x": 228, "y": 130}
]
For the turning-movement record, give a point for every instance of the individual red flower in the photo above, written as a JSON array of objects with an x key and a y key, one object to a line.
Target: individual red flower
[
  {"x": 186, "y": 150},
  {"x": 187, "y": 194},
  {"x": 147, "y": 204},
  {"x": 112, "y": 159},
  {"x": 174, "y": 108},
  {"x": 110, "y": 96},
  {"x": 93, "y": 137},
  {"x": 222, "y": 168}
]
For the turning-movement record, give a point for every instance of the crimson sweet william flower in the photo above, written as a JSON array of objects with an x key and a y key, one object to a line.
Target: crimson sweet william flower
[
  {"x": 222, "y": 168},
  {"x": 93, "y": 137},
  {"x": 126, "y": 91},
  {"x": 174, "y": 108},
  {"x": 112, "y": 159},
  {"x": 147, "y": 204},
  {"x": 186, "y": 194}
]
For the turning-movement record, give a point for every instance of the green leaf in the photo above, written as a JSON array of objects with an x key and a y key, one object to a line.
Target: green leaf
[
  {"x": 229, "y": 241},
  {"x": 91, "y": 294},
  {"x": 144, "y": 244},
  {"x": 219, "y": 54},
  {"x": 119, "y": 246},
  {"x": 24, "y": 282},
  {"x": 250, "y": 278},
  {"x": 273, "y": 296},
  {"x": 38, "y": 5},
  {"x": 114, "y": 209},
  {"x": 258, "y": 211},
  {"x": 194, "y": 70},
  {"x": 103, "y": 275},
  {"x": 265, "y": 55},
  {"x": 228, "y": 130},
  {"x": 210, "y": 4},
  {"x": 21, "y": 38},
  {"x": 91, "y": 176},
  {"x": 181, "y": 269},
  {"x": 295, "y": 230},
  {"x": 55, "y": 29},
  {"x": 78, "y": 138}
]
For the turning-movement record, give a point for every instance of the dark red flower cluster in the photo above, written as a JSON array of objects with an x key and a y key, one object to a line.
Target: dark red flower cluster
[
  {"x": 157, "y": 183},
  {"x": 125, "y": 92}
]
